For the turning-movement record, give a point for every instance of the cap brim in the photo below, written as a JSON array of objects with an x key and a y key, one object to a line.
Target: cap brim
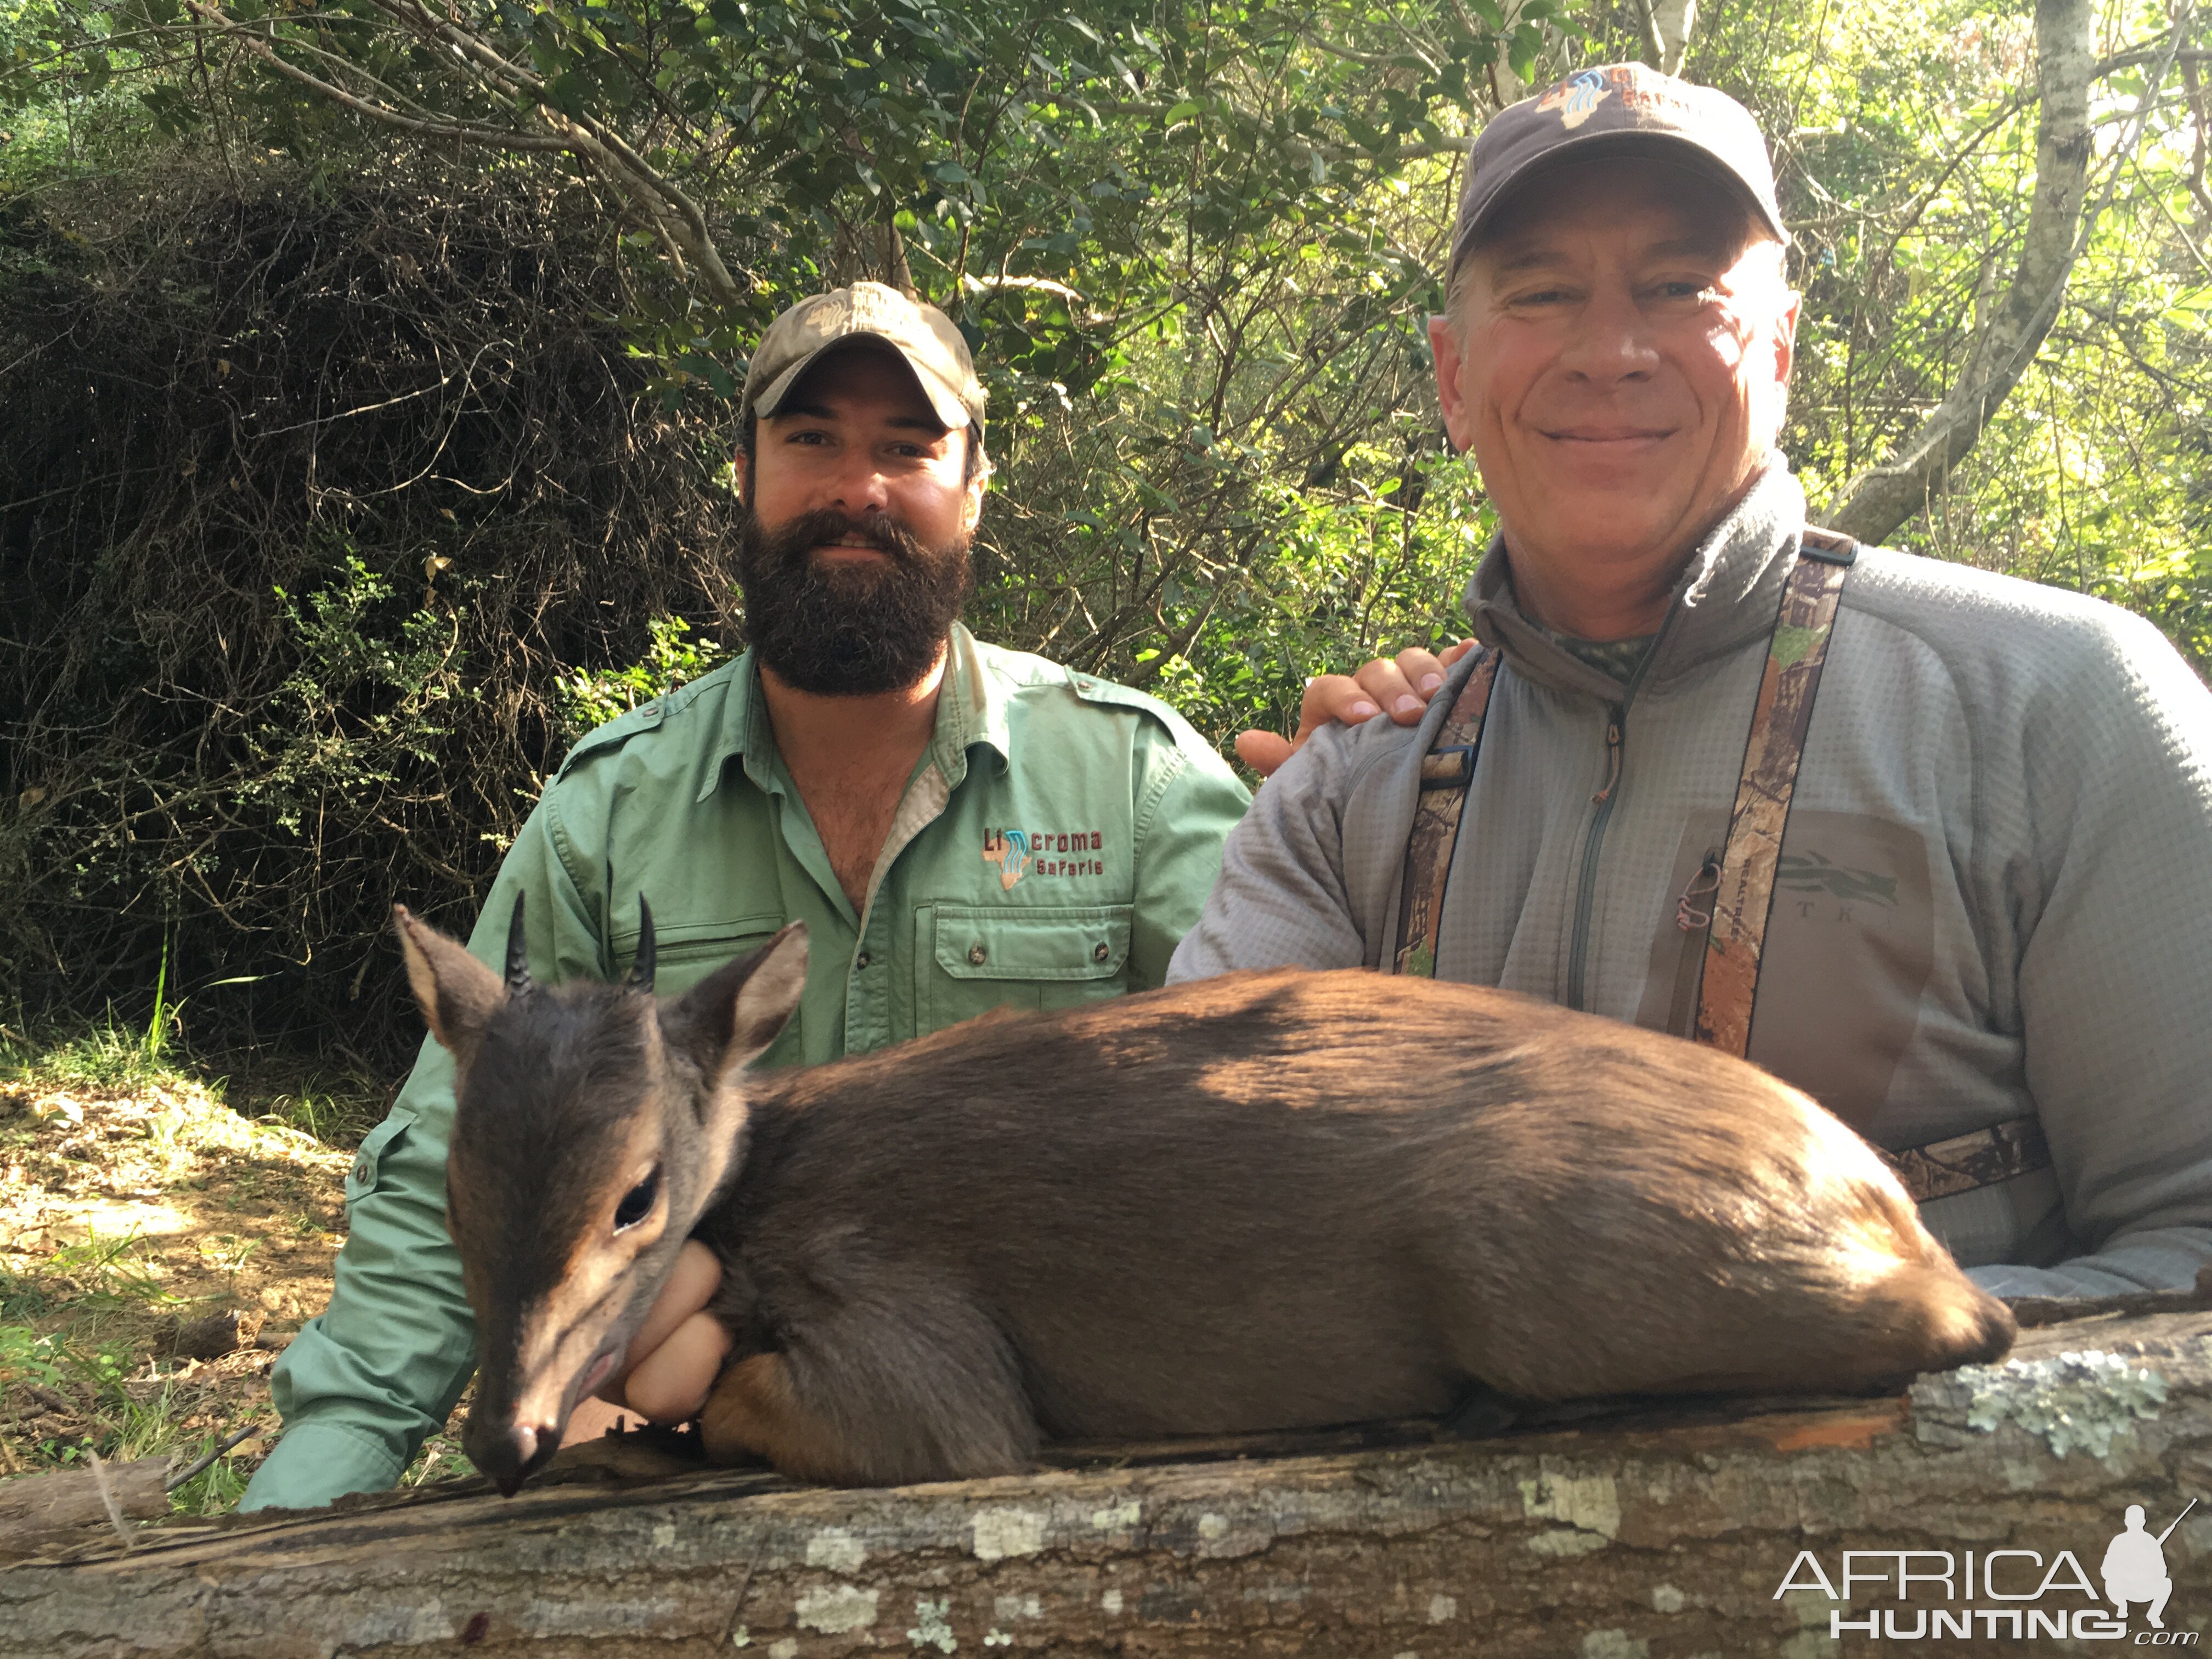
[
  {"x": 1667, "y": 146},
  {"x": 943, "y": 398}
]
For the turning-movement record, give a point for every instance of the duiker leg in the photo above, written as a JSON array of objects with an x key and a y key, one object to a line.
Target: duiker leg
[
  {"x": 860, "y": 1399},
  {"x": 751, "y": 1412}
]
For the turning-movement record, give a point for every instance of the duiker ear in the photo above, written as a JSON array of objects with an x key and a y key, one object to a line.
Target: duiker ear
[
  {"x": 731, "y": 1016},
  {"x": 458, "y": 994}
]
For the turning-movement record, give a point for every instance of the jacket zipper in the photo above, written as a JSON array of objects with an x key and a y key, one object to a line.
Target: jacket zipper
[
  {"x": 1616, "y": 722},
  {"x": 1586, "y": 890}
]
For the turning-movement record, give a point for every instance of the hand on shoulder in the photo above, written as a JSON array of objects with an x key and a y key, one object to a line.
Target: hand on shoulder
[{"x": 1398, "y": 686}]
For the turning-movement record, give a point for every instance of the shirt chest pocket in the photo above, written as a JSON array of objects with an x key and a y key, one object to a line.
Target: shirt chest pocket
[
  {"x": 684, "y": 955},
  {"x": 971, "y": 958}
]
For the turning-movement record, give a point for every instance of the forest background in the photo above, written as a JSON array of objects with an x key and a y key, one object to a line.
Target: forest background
[{"x": 366, "y": 372}]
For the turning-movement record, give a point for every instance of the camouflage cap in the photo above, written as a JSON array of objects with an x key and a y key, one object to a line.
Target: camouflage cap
[
  {"x": 1609, "y": 110},
  {"x": 921, "y": 334}
]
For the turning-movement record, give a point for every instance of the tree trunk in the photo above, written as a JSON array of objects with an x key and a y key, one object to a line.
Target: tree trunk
[
  {"x": 1667, "y": 27},
  {"x": 1667, "y": 1530},
  {"x": 1884, "y": 497}
]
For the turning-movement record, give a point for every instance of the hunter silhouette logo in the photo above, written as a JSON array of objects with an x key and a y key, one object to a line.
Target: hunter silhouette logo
[
  {"x": 2000, "y": 1595},
  {"x": 2135, "y": 1566}
]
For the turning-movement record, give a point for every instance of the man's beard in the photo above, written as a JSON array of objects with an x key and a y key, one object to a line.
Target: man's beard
[{"x": 848, "y": 630}]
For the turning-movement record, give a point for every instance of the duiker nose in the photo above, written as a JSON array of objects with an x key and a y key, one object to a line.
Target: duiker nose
[{"x": 511, "y": 1456}]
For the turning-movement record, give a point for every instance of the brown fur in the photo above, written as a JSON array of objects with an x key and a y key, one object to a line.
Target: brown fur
[
  {"x": 755, "y": 1411},
  {"x": 1266, "y": 1200}
]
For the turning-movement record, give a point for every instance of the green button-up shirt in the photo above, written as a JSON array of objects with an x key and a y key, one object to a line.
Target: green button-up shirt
[{"x": 1056, "y": 840}]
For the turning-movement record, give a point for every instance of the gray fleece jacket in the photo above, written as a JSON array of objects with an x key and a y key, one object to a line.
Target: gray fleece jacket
[{"x": 1995, "y": 896}]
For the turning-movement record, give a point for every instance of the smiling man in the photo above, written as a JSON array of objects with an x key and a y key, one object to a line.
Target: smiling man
[
  {"x": 1932, "y": 844},
  {"x": 962, "y": 827}
]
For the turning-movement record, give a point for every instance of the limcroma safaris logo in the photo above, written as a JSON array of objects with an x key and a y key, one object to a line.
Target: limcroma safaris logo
[{"x": 2001, "y": 1595}]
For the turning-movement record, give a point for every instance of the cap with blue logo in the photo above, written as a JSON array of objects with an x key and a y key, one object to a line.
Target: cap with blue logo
[{"x": 1616, "y": 109}]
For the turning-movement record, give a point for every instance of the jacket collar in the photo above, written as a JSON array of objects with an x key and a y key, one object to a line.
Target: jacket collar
[
  {"x": 1729, "y": 594},
  {"x": 971, "y": 709}
]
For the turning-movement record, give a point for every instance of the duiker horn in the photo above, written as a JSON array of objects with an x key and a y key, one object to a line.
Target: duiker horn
[
  {"x": 641, "y": 967},
  {"x": 518, "y": 951}
]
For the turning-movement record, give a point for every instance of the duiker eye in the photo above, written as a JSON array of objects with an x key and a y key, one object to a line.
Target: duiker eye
[{"x": 636, "y": 1202}]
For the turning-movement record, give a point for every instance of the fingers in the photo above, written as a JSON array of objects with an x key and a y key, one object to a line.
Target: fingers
[
  {"x": 1399, "y": 687},
  {"x": 1327, "y": 697},
  {"x": 1333, "y": 697},
  {"x": 1388, "y": 689},
  {"x": 1263, "y": 751},
  {"x": 691, "y": 1285},
  {"x": 671, "y": 1383},
  {"x": 1422, "y": 670},
  {"x": 1403, "y": 685}
]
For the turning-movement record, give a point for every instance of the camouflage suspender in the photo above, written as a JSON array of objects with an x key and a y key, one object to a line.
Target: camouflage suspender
[
  {"x": 1446, "y": 771},
  {"x": 1762, "y": 802},
  {"x": 1745, "y": 896},
  {"x": 1778, "y": 723}
]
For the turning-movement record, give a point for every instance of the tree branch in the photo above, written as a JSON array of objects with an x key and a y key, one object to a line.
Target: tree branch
[
  {"x": 1665, "y": 26},
  {"x": 675, "y": 218},
  {"x": 1884, "y": 497},
  {"x": 465, "y": 132}
]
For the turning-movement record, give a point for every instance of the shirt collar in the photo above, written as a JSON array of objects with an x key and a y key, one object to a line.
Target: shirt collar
[
  {"x": 971, "y": 709},
  {"x": 1727, "y": 593}
]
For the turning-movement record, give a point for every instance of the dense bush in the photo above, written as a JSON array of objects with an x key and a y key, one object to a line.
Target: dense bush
[{"x": 315, "y": 490}]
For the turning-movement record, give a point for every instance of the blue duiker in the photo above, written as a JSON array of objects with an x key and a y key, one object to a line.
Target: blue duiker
[{"x": 1269, "y": 1200}]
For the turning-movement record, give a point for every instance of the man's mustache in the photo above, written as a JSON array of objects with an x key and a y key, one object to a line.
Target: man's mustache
[{"x": 792, "y": 542}]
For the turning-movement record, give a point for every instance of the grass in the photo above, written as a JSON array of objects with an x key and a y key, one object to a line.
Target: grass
[
  {"x": 102, "y": 1056},
  {"x": 141, "y": 1187},
  {"x": 336, "y": 1106}
]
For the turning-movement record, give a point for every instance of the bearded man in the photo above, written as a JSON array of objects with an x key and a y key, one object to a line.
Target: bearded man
[
  {"x": 1960, "y": 898},
  {"x": 961, "y": 828}
]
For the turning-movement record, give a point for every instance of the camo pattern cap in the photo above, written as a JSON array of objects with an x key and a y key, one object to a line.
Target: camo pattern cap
[{"x": 929, "y": 341}]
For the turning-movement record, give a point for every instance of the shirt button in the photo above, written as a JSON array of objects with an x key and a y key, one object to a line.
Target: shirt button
[
  {"x": 862, "y": 960},
  {"x": 1101, "y": 953},
  {"x": 360, "y": 1171},
  {"x": 976, "y": 955}
]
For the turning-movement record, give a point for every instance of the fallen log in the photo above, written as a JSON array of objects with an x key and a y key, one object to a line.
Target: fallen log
[
  {"x": 43, "y": 1512},
  {"x": 1645, "y": 1530}
]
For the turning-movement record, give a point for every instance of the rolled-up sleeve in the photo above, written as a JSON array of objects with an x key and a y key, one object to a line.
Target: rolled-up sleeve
[{"x": 1189, "y": 803}]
